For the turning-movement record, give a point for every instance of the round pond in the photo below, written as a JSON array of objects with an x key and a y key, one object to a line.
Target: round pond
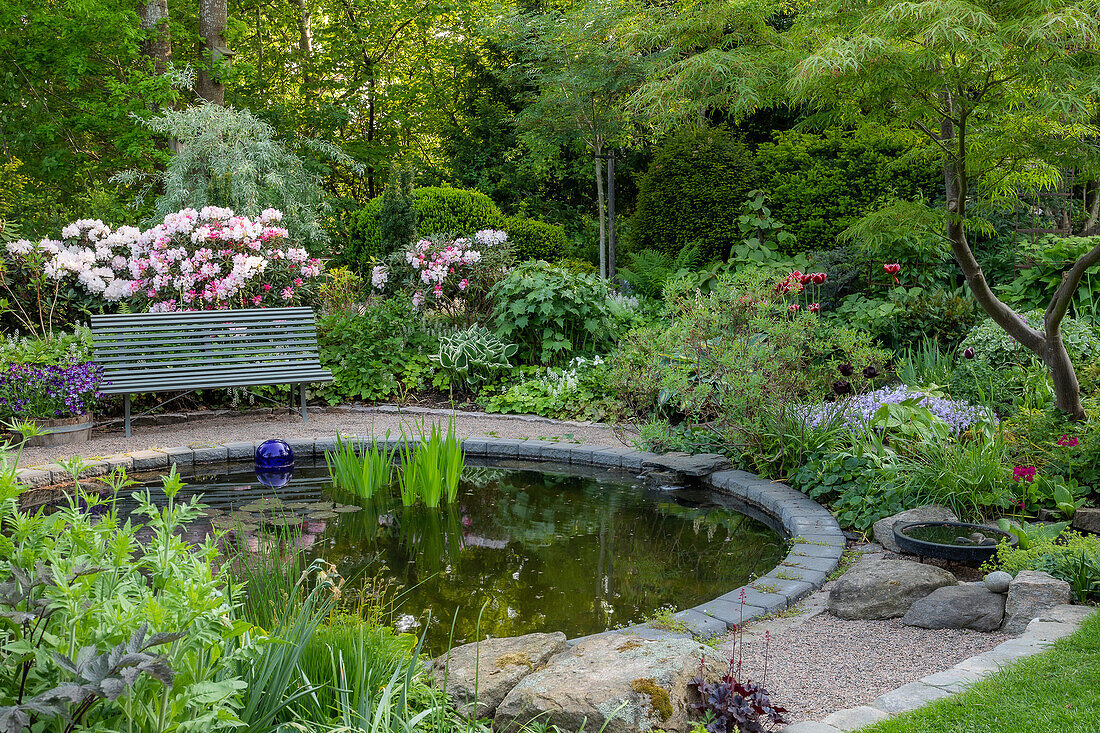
[{"x": 540, "y": 549}]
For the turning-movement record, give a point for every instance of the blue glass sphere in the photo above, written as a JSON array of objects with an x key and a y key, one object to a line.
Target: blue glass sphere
[{"x": 274, "y": 455}]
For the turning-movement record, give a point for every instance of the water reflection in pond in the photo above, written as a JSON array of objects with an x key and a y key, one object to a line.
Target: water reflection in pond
[{"x": 540, "y": 550}]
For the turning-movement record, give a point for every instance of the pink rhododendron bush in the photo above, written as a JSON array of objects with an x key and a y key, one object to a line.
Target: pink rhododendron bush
[
  {"x": 452, "y": 276},
  {"x": 193, "y": 260}
]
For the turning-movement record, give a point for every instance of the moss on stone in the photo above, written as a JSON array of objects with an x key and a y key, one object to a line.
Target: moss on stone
[
  {"x": 658, "y": 696},
  {"x": 514, "y": 659},
  {"x": 629, "y": 644}
]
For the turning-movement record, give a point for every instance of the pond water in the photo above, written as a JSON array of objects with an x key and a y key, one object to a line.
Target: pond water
[{"x": 540, "y": 550}]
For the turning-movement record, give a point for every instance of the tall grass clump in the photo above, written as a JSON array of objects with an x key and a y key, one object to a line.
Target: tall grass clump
[
  {"x": 927, "y": 365},
  {"x": 431, "y": 469},
  {"x": 363, "y": 472}
]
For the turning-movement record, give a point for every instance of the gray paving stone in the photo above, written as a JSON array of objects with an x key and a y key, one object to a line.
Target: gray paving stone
[
  {"x": 803, "y": 549},
  {"x": 241, "y": 451},
  {"x": 908, "y": 697},
  {"x": 557, "y": 453},
  {"x": 321, "y": 445},
  {"x": 826, "y": 564},
  {"x": 180, "y": 456},
  {"x": 954, "y": 680},
  {"x": 34, "y": 477},
  {"x": 816, "y": 578},
  {"x": 503, "y": 448},
  {"x": 809, "y": 726},
  {"x": 1048, "y": 631},
  {"x": 119, "y": 461},
  {"x": 92, "y": 469},
  {"x": 530, "y": 449},
  {"x": 770, "y": 602},
  {"x": 1067, "y": 614},
  {"x": 793, "y": 589},
  {"x": 983, "y": 663},
  {"x": 475, "y": 446},
  {"x": 632, "y": 460},
  {"x": 854, "y": 718},
  {"x": 582, "y": 455},
  {"x": 610, "y": 457},
  {"x": 149, "y": 460},
  {"x": 701, "y": 625},
  {"x": 732, "y": 613},
  {"x": 302, "y": 447},
  {"x": 834, "y": 539},
  {"x": 211, "y": 454}
]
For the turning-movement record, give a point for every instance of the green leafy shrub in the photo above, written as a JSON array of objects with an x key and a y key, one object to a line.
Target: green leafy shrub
[
  {"x": 576, "y": 391},
  {"x": 723, "y": 358},
  {"x": 1071, "y": 556},
  {"x": 1045, "y": 439},
  {"x": 909, "y": 316},
  {"x": 552, "y": 314},
  {"x": 380, "y": 354},
  {"x": 693, "y": 192},
  {"x": 1048, "y": 259},
  {"x": 854, "y": 484},
  {"x": 438, "y": 211},
  {"x": 61, "y": 348},
  {"x": 473, "y": 356},
  {"x": 536, "y": 240},
  {"x": 648, "y": 270},
  {"x": 133, "y": 640},
  {"x": 820, "y": 184},
  {"x": 1000, "y": 367}
]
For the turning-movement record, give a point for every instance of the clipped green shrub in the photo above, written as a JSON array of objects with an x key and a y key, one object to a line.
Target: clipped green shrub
[
  {"x": 438, "y": 211},
  {"x": 820, "y": 184},
  {"x": 535, "y": 240},
  {"x": 693, "y": 191}
]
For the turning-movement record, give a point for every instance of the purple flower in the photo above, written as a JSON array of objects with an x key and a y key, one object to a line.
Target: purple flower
[
  {"x": 48, "y": 391},
  {"x": 960, "y": 415}
]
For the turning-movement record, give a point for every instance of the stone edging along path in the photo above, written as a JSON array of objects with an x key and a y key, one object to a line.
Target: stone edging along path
[{"x": 817, "y": 542}]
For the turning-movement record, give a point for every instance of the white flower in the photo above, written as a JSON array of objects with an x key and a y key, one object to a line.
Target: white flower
[
  {"x": 379, "y": 276},
  {"x": 491, "y": 237},
  {"x": 20, "y": 247}
]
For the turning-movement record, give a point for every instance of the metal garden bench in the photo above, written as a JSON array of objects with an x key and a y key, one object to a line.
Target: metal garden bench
[{"x": 186, "y": 351}]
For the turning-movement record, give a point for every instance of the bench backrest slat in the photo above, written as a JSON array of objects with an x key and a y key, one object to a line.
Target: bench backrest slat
[{"x": 205, "y": 340}]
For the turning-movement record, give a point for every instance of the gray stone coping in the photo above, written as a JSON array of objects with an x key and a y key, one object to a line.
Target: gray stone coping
[{"x": 816, "y": 540}]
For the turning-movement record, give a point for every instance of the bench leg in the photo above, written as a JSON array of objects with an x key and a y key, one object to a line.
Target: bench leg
[
  {"x": 305, "y": 412},
  {"x": 126, "y": 410}
]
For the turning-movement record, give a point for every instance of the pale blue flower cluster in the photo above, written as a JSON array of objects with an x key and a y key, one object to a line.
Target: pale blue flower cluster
[{"x": 857, "y": 411}]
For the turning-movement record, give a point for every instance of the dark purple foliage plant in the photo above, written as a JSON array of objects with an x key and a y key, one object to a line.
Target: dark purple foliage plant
[{"x": 734, "y": 704}]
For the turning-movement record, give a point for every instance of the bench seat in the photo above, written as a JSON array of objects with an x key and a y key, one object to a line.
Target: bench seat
[{"x": 184, "y": 351}]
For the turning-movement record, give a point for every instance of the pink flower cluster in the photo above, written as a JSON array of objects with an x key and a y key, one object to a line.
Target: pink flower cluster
[
  {"x": 193, "y": 260},
  {"x": 1067, "y": 442},
  {"x": 439, "y": 268},
  {"x": 1023, "y": 473}
]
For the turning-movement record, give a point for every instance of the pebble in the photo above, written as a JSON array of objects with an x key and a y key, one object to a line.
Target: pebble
[{"x": 998, "y": 581}]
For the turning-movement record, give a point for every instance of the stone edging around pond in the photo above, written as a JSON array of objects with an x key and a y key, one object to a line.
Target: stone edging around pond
[{"x": 817, "y": 540}]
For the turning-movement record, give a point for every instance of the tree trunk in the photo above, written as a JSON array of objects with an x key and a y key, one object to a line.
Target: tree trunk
[
  {"x": 157, "y": 44},
  {"x": 598, "y": 150},
  {"x": 611, "y": 215},
  {"x": 1046, "y": 344},
  {"x": 305, "y": 38},
  {"x": 1092, "y": 215},
  {"x": 212, "y": 18}
]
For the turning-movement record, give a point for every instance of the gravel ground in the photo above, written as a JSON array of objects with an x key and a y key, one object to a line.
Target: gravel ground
[
  {"x": 359, "y": 421},
  {"x": 818, "y": 664}
]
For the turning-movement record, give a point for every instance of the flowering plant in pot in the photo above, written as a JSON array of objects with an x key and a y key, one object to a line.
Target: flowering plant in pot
[{"x": 58, "y": 399}]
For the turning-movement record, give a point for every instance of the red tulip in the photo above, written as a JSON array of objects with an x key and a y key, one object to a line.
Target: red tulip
[
  {"x": 794, "y": 307},
  {"x": 893, "y": 269},
  {"x": 819, "y": 277},
  {"x": 815, "y": 307}
]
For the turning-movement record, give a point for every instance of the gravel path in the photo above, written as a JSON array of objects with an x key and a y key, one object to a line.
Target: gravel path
[
  {"x": 818, "y": 664},
  {"x": 358, "y": 421}
]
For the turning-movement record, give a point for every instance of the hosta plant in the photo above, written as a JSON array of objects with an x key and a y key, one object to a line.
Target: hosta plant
[{"x": 474, "y": 356}]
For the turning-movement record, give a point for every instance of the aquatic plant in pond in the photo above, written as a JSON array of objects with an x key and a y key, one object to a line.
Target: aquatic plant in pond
[
  {"x": 58, "y": 391},
  {"x": 858, "y": 411},
  {"x": 363, "y": 472}
]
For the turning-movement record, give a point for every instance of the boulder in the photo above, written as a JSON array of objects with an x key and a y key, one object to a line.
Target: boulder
[
  {"x": 884, "y": 528},
  {"x": 487, "y": 671},
  {"x": 969, "y": 606},
  {"x": 998, "y": 581},
  {"x": 1087, "y": 519},
  {"x": 617, "y": 683},
  {"x": 686, "y": 464},
  {"x": 1030, "y": 594},
  {"x": 879, "y": 589}
]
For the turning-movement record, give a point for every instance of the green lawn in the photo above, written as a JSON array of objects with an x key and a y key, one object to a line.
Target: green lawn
[{"x": 1056, "y": 691}]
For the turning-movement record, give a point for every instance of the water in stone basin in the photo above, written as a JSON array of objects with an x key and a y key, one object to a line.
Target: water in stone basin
[{"x": 543, "y": 550}]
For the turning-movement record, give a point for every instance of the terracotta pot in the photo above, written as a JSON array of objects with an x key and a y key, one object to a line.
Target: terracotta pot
[{"x": 64, "y": 431}]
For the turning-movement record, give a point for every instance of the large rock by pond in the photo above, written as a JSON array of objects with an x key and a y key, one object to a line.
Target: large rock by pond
[
  {"x": 884, "y": 528},
  {"x": 618, "y": 683},
  {"x": 968, "y": 606},
  {"x": 488, "y": 670},
  {"x": 1031, "y": 593},
  {"x": 878, "y": 589}
]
